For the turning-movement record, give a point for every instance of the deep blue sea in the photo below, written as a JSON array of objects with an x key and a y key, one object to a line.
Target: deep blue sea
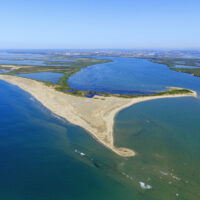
[{"x": 43, "y": 157}]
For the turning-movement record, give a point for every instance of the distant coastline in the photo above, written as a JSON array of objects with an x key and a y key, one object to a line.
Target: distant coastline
[{"x": 96, "y": 115}]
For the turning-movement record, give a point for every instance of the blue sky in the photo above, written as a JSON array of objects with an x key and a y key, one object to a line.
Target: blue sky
[{"x": 99, "y": 24}]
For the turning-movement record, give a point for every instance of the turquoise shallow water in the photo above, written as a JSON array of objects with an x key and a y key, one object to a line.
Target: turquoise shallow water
[
  {"x": 40, "y": 155},
  {"x": 165, "y": 134},
  {"x": 44, "y": 157}
]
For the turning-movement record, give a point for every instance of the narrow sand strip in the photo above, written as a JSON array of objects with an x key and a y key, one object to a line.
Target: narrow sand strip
[
  {"x": 11, "y": 67},
  {"x": 96, "y": 115}
]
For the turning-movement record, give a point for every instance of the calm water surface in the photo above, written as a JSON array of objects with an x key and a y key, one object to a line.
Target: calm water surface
[
  {"x": 22, "y": 62},
  {"x": 186, "y": 67},
  {"x": 33, "y": 59},
  {"x": 40, "y": 155},
  {"x": 44, "y": 157},
  {"x": 43, "y": 76},
  {"x": 4, "y": 71},
  {"x": 131, "y": 76}
]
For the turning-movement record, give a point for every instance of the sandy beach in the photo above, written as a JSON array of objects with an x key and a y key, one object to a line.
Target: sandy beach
[
  {"x": 11, "y": 67},
  {"x": 96, "y": 115}
]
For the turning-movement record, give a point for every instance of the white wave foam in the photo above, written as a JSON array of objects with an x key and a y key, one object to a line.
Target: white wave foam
[
  {"x": 79, "y": 152},
  {"x": 32, "y": 98},
  {"x": 177, "y": 178},
  {"x": 57, "y": 117},
  {"x": 144, "y": 186},
  {"x": 177, "y": 195},
  {"x": 127, "y": 176},
  {"x": 164, "y": 173}
]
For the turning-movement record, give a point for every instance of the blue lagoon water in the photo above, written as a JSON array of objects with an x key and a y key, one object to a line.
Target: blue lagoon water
[
  {"x": 22, "y": 62},
  {"x": 4, "y": 71},
  {"x": 130, "y": 76},
  {"x": 44, "y": 157},
  {"x": 43, "y": 76},
  {"x": 33, "y": 59}
]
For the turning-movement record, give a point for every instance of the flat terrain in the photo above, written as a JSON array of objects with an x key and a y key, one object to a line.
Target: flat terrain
[
  {"x": 195, "y": 72},
  {"x": 96, "y": 115},
  {"x": 60, "y": 64}
]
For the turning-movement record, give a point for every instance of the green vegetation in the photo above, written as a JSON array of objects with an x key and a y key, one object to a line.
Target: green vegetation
[
  {"x": 195, "y": 72},
  {"x": 73, "y": 65},
  {"x": 69, "y": 67},
  {"x": 171, "y": 62},
  {"x": 171, "y": 91}
]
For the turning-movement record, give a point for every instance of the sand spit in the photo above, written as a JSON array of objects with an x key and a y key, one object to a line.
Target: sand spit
[
  {"x": 96, "y": 115},
  {"x": 11, "y": 67}
]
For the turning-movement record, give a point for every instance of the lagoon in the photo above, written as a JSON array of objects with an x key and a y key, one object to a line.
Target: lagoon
[
  {"x": 130, "y": 76},
  {"x": 43, "y": 76},
  {"x": 186, "y": 67}
]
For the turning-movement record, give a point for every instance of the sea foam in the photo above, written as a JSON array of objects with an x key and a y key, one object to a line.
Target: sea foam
[{"x": 144, "y": 186}]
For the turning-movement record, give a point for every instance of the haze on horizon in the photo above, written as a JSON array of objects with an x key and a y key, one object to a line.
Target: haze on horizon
[{"x": 99, "y": 24}]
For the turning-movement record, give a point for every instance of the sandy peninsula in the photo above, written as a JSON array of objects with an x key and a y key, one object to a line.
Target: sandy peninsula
[
  {"x": 11, "y": 67},
  {"x": 96, "y": 115}
]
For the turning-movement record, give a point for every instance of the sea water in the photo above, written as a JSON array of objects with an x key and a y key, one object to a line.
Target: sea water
[{"x": 44, "y": 157}]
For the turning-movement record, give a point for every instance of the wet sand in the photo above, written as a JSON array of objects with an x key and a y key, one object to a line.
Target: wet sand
[{"x": 96, "y": 115}]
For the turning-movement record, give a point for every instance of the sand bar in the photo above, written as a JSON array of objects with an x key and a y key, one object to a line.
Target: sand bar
[
  {"x": 95, "y": 115},
  {"x": 11, "y": 67}
]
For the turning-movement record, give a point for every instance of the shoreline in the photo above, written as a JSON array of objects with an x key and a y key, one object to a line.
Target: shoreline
[{"x": 95, "y": 115}]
